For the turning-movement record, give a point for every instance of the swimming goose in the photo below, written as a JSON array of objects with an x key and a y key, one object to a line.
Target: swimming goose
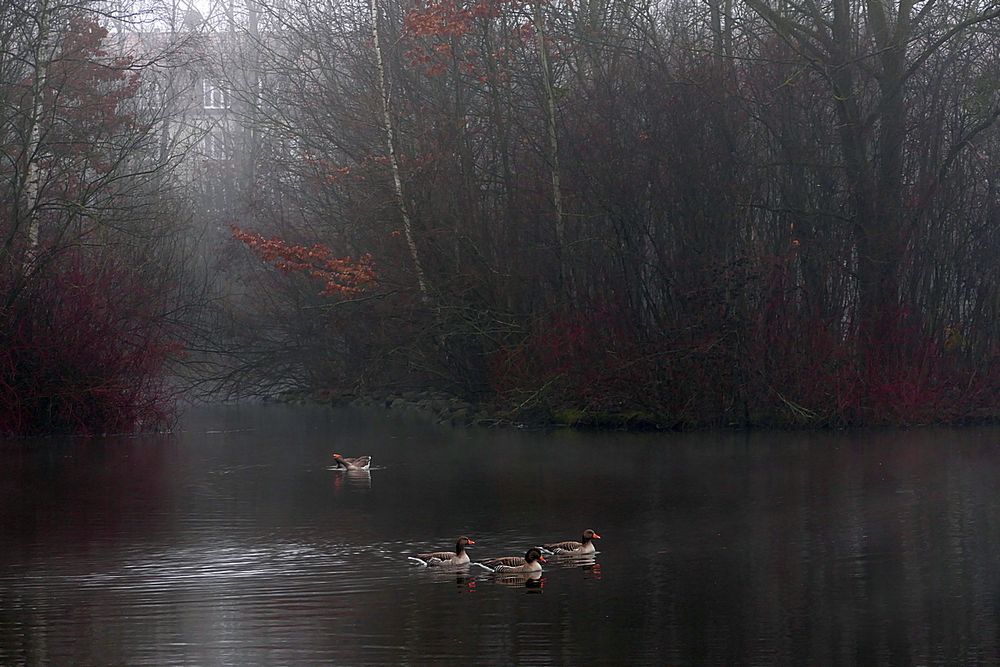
[
  {"x": 571, "y": 548},
  {"x": 446, "y": 558},
  {"x": 357, "y": 463},
  {"x": 532, "y": 562}
]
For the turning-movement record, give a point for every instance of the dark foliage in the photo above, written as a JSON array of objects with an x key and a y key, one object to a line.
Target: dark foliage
[{"x": 84, "y": 352}]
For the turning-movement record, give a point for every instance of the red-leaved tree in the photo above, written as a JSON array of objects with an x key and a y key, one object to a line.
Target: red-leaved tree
[
  {"x": 89, "y": 263},
  {"x": 342, "y": 276}
]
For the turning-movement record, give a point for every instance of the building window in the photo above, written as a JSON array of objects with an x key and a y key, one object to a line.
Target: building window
[
  {"x": 215, "y": 95},
  {"x": 213, "y": 145}
]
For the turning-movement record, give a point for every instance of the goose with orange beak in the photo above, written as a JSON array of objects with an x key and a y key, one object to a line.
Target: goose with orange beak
[
  {"x": 446, "y": 558},
  {"x": 573, "y": 548},
  {"x": 532, "y": 562}
]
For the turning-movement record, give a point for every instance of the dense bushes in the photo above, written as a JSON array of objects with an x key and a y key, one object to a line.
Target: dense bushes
[
  {"x": 92, "y": 261},
  {"x": 677, "y": 213},
  {"x": 773, "y": 365},
  {"x": 84, "y": 352}
]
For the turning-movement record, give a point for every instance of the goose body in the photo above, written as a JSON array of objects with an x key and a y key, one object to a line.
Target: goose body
[
  {"x": 355, "y": 463},
  {"x": 572, "y": 548},
  {"x": 531, "y": 562},
  {"x": 446, "y": 558}
]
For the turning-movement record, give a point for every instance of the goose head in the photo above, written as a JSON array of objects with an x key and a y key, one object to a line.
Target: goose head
[
  {"x": 590, "y": 535},
  {"x": 532, "y": 555},
  {"x": 463, "y": 542}
]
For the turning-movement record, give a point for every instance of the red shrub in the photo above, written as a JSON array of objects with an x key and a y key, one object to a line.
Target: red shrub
[
  {"x": 84, "y": 352},
  {"x": 745, "y": 348}
]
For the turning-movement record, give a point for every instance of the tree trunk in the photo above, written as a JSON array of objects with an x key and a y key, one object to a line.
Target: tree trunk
[
  {"x": 390, "y": 142},
  {"x": 33, "y": 170}
]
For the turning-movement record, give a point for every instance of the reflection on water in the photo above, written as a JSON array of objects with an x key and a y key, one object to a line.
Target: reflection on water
[
  {"x": 351, "y": 479},
  {"x": 233, "y": 542},
  {"x": 533, "y": 581},
  {"x": 470, "y": 579}
]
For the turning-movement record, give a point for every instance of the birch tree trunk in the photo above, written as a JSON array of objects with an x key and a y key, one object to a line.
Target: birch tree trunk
[
  {"x": 33, "y": 170},
  {"x": 390, "y": 142}
]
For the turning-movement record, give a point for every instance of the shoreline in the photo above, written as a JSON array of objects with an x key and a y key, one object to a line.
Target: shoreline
[{"x": 452, "y": 410}]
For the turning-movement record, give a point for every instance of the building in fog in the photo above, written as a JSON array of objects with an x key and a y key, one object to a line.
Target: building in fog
[{"x": 190, "y": 87}]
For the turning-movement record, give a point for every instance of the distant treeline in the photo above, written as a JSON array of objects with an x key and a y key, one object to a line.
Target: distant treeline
[
  {"x": 689, "y": 213},
  {"x": 680, "y": 213}
]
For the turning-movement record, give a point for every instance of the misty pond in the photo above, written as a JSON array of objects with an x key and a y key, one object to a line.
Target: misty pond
[{"x": 232, "y": 541}]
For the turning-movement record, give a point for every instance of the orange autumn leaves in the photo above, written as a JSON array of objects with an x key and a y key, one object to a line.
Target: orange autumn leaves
[
  {"x": 436, "y": 28},
  {"x": 341, "y": 276},
  {"x": 447, "y": 18}
]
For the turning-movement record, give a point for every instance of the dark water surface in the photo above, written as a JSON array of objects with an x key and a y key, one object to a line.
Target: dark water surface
[{"x": 231, "y": 542}]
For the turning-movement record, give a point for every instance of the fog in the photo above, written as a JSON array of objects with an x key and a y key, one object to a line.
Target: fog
[{"x": 658, "y": 213}]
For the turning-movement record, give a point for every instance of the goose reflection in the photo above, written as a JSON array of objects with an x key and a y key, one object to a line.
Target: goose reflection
[
  {"x": 584, "y": 562},
  {"x": 534, "y": 581},
  {"x": 352, "y": 479},
  {"x": 459, "y": 576},
  {"x": 465, "y": 583}
]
